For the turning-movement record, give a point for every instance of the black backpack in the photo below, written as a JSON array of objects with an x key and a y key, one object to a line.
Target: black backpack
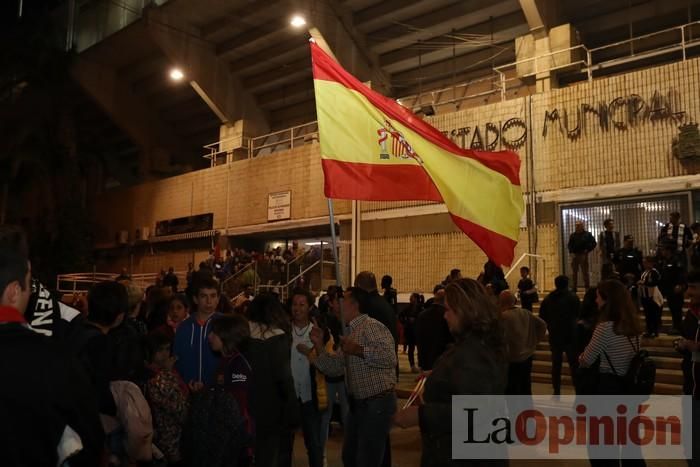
[
  {"x": 213, "y": 435},
  {"x": 641, "y": 375}
]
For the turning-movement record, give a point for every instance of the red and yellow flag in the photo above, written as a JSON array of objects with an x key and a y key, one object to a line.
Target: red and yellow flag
[{"x": 374, "y": 149}]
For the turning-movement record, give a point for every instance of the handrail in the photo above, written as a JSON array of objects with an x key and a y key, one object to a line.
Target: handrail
[
  {"x": 301, "y": 273},
  {"x": 520, "y": 260},
  {"x": 82, "y": 281},
  {"x": 686, "y": 41},
  {"x": 252, "y": 146},
  {"x": 237, "y": 273},
  {"x": 645, "y": 36},
  {"x": 296, "y": 259}
]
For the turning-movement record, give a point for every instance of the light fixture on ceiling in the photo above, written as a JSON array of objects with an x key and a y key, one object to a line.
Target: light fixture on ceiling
[
  {"x": 176, "y": 74},
  {"x": 298, "y": 21}
]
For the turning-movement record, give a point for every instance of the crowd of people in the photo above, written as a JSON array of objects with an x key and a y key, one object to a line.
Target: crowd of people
[
  {"x": 652, "y": 279},
  {"x": 160, "y": 377}
]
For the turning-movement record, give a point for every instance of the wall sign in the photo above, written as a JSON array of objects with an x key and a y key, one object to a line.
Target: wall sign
[{"x": 279, "y": 206}]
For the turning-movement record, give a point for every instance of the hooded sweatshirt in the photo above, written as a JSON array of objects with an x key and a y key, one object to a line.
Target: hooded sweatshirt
[
  {"x": 273, "y": 403},
  {"x": 195, "y": 359}
]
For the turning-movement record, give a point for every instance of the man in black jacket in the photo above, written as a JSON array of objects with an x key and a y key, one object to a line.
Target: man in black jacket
[
  {"x": 608, "y": 243},
  {"x": 560, "y": 310},
  {"x": 629, "y": 259},
  {"x": 45, "y": 396},
  {"x": 672, "y": 284},
  {"x": 678, "y": 235},
  {"x": 377, "y": 307},
  {"x": 432, "y": 334},
  {"x": 581, "y": 243}
]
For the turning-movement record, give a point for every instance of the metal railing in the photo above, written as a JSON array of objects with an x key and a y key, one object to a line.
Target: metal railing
[
  {"x": 235, "y": 148},
  {"x": 283, "y": 290},
  {"x": 82, "y": 281},
  {"x": 226, "y": 283},
  {"x": 540, "y": 272},
  {"x": 589, "y": 63}
]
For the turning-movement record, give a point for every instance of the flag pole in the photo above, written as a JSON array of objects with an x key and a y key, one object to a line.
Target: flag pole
[
  {"x": 334, "y": 250},
  {"x": 334, "y": 242}
]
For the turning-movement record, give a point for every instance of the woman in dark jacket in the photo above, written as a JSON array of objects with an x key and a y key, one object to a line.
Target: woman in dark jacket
[
  {"x": 273, "y": 404},
  {"x": 476, "y": 364}
]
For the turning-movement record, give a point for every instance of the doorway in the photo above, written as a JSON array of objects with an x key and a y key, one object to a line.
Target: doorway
[{"x": 641, "y": 217}]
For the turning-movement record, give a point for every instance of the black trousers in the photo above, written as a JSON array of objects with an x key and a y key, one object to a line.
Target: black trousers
[
  {"x": 611, "y": 384},
  {"x": 520, "y": 378},
  {"x": 557, "y": 361},
  {"x": 675, "y": 303},
  {"x": 652, "y": 313}
]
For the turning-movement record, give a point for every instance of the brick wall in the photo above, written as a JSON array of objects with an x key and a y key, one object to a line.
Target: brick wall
[
  {"x": 639, "y": 150},
  {"x": 251, "y": 180}
]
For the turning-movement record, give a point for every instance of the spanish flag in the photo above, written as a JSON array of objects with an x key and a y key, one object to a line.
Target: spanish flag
[{"x": 374, "y": 149}]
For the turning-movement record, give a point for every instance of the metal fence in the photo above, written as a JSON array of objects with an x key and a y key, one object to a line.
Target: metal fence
[{"x": 236, "y": 148}]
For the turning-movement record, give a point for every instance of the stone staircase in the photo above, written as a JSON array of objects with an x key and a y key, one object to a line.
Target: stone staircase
[{"x": 669, "y": 377}]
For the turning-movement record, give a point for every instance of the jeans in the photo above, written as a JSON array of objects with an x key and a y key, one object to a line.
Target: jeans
[
  {"x": 580, "y": 260},
  {"x": 368, "y": 428},
  {"x": 557, "y": 360},
  {"x": 311, "y": 429},
  {"x": 519, "y": 378},
  {"x": 335, "y": 390}
]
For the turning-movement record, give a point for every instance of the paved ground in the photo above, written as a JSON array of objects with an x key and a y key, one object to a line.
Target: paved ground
[{"x": 406, "y": 444}]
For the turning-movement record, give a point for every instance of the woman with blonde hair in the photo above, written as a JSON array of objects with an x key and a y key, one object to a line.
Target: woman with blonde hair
[{"x": 476, "y": 364}]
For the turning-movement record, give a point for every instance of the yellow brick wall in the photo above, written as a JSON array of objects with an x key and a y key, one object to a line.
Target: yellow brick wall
[
  {"x": 601, "y": 157},
  {"x": 251, "y": 180},
  {"x": 418, "y": 260}
]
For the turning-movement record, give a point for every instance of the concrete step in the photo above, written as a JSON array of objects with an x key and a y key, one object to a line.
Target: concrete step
[
  {"x": 663, "y": 375},
  {"x": 659, "y": 388},
  {"x": 665, "y": 362},
  {"x": 665, "y": 314},
  {"x": 655, "y": 352},
  {"x": 662, "y": 341}
]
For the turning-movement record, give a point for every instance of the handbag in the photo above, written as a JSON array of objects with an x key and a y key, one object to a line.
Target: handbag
[{"x": 586, "y": 380}]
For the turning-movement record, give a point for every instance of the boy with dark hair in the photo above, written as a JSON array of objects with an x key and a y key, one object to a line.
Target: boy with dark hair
[
  {"x": 526, "y": 289},
  {"x": 196, "y": 361},
  {"x": 35, "y": 421}
]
